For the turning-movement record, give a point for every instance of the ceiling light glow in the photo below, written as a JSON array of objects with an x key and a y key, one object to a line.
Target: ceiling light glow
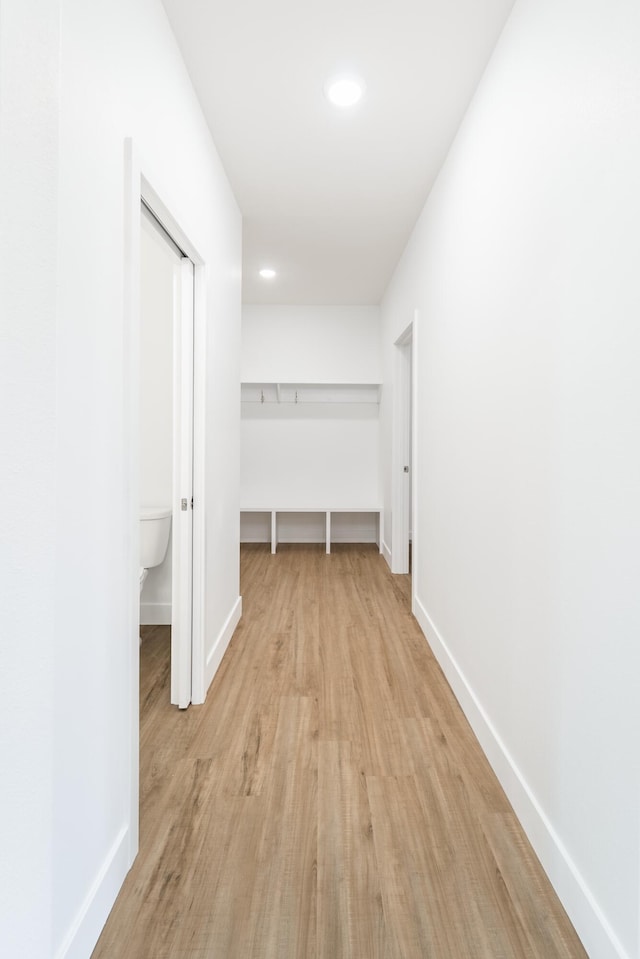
[
  {"x": 267, "y": 273},
  {"x": 344, "y": 91}
]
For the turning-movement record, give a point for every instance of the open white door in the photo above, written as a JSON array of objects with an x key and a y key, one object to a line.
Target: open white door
[
  {"x": 402, "y": 454},
  {"x": 407, "y": 465},
  {"x": 182, "y": 556}
]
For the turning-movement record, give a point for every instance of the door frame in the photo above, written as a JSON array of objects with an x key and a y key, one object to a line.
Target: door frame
[
  {"x": 182, "y": 485},
  {"x": 137, "y": 189},
  {"x": 404, "y": 441},
  {"x": 402, "y": 452}
]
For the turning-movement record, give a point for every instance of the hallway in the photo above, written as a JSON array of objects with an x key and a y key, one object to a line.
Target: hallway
[{"x": 329, "y": 799}]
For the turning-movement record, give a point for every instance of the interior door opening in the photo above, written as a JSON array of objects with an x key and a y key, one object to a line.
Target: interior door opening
[
  {"x": 166, "y": 444},
  {"x": 402, "y": 460}
]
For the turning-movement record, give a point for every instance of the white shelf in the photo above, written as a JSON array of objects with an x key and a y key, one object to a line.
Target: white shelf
[{"x": 301, "y": 393}]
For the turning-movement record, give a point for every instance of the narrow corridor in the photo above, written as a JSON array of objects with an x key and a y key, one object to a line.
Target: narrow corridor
[{"x": 329, "y": 800}]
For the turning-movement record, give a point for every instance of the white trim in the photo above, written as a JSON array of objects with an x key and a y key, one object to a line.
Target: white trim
[
  {"x": 415, "y": 460},
  {"x": 155, "y": 614},
  {"x": 182, "y": 559},
  {"x": 198, "y": 685},
  {"x": 401, "y": 446},
  {"x": 131, "y": 473},
  {"x": 83, "y": 934},
  {"x": 386, "y": 552},
  {"x": 137, "y": 188},
  {"x": 219, "y": 647},
  {"x": 172, "y": 225},
  {"x": 597, "y": 936}
]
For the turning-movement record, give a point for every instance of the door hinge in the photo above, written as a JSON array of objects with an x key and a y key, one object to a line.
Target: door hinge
[
  {"x": 406, "y": 469},
  {"x": 183, "y": 505}
]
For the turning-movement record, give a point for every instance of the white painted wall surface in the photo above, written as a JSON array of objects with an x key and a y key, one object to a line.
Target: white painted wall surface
[
  {"x": 66, "y": 793},
  {"x": 311, "y": 344},
  {"x": 314, "y": 455},
  {"x": 28, "y": 204},
  {"x": 159, "y": 272},
  {"x": 525, "y": 268}
]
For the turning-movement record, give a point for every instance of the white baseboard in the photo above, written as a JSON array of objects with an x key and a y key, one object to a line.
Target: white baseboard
[
  {"x": 217, "y": 651},
  {"x": 81, "y": 938},
  {"x": 386, "y": 552},
  {"x": 155, "y": 614},
  {"x": 598, "y": 938}
]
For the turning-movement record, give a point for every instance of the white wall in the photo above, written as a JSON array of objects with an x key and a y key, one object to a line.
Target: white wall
[
  {"x": 66, "y": 794},
  {"x": 315, "y": 455},
  {"x": 524, "y": 267},
  {"x": 323, "y": 455},
  {"x": 310, "y": 344},
  {"x": 159, "y": 275},
  {"x": 28, "y": 204}
]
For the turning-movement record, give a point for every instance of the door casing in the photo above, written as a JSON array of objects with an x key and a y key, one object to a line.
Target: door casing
[
  {"x": 405, "y": 452},
  {"x": 137, "y": 188}
]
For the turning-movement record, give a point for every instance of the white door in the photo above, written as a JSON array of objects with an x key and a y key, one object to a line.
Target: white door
[
  {"x": 407, "y": 465},
  {"x": 402, "y": 463},
  {"x": 182, "y": 556}
]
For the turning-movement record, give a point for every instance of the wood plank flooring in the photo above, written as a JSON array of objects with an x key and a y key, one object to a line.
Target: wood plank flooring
[{"x": 329, "y": 800}]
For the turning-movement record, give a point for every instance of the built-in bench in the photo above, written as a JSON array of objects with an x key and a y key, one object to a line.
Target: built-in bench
[{"x": 375, "y": 510}]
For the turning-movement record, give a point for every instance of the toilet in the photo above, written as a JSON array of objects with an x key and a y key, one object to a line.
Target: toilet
[{"x": 155, "y": 526}]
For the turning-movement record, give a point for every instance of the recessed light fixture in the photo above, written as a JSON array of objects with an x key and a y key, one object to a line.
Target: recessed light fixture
[
  {"x": 344, "y": 91},
  {"x": 267, "y": 273}
]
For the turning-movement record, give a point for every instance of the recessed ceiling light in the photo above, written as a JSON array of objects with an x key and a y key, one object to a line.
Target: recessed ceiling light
[
  {"x": 267, "y": 274},
  {"x": 344, "y": 91}
]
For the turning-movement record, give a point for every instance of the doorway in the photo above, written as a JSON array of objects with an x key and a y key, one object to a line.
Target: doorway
[
  {"x": 166, "y": 438},
  {"x": 403, "y": 455},
  {"x": 137, "y": 189}
]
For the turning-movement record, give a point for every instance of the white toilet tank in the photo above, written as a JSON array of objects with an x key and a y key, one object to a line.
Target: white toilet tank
[{"x": 155, "y": 526}]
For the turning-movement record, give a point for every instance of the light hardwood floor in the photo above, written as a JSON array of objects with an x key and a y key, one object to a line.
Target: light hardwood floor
[{"x": 329, "y": 800}]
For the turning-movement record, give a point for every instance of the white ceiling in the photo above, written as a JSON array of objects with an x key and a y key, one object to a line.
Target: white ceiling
[{"x": 329, "y": 197}]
